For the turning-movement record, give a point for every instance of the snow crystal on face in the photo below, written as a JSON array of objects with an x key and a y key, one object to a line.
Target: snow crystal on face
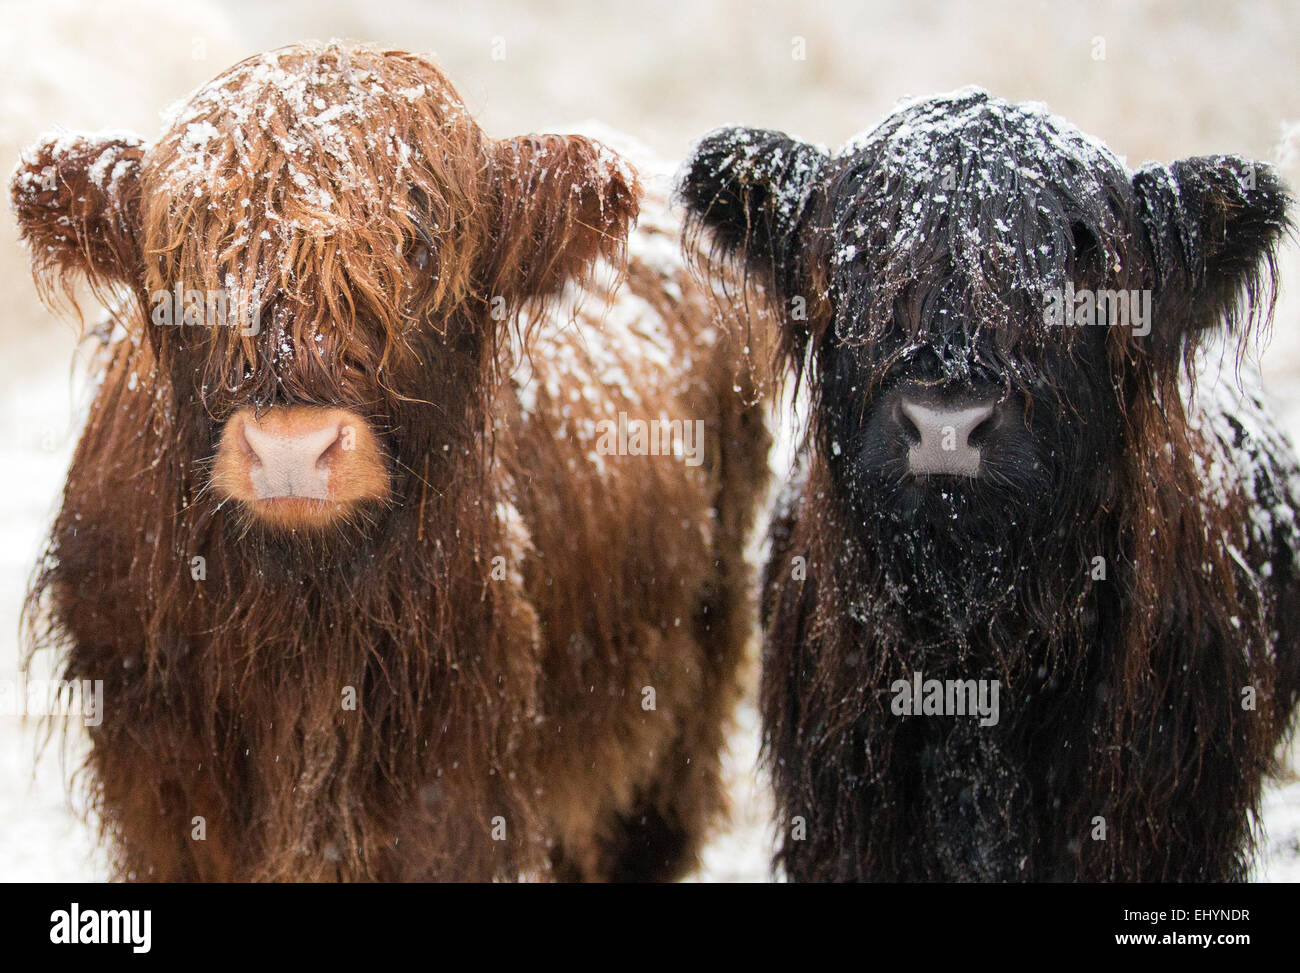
[
  {"x": 100, "y": 172},
  {"x": 27, "y": 182}
]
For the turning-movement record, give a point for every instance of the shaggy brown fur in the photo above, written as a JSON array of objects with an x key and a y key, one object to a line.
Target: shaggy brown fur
[{"x": 503, "y": 612}]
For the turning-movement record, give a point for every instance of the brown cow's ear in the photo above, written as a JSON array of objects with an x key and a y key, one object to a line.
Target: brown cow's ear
[
  {"x": 562, "y": 201},
  {"x": 76, "y": 198}
]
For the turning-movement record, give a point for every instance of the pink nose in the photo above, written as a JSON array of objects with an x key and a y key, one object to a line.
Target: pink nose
[
  {"x": 299, "y": 465},
  {"x": 290, "y": 464}
]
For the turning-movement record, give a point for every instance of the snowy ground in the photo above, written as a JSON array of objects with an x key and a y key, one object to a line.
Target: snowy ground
[
  {"x": 666, "y": 73},
  {"x": 42, "y": 837}
]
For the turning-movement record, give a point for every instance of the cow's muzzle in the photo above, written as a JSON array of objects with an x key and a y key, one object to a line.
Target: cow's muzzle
[
  {"x": 945, "y": 438},
  {"x": 299, "y": 465},
  {"x": 943, "y": 434}
]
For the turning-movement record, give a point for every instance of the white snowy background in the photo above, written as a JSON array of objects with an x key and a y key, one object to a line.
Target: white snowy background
[{"x": 1156, "y": 79}]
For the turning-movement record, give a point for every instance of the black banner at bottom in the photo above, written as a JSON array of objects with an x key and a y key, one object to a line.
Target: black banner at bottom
[{"x": 332, "y": 923}]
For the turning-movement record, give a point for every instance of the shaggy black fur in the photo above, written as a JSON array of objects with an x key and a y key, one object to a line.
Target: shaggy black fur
[{"x": 1124, "y": 564}]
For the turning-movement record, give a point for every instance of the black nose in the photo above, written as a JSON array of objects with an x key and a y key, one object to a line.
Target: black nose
[{"x": 944, "y": 437}]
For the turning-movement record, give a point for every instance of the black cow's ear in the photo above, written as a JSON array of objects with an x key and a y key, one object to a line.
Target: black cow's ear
[
  {"x": 752, "y": 188},
  {"x": 1214, "y": 225},
  {"x": 76, "y": 200}
]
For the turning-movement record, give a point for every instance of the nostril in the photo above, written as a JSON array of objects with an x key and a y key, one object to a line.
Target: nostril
[
  {"x": 245, "y": 447},
  {"x": 332, "y": 450},
  {"x": 983, "y": 430},
  {"x": 298, "y": 454},
  {"x": 251, "y": 442},
  {"x": 905, "y": 424}
]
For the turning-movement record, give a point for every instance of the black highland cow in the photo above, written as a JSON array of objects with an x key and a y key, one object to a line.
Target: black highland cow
[{"x": 1010, "y": 478}]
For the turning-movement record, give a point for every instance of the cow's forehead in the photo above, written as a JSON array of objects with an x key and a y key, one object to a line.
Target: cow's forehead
[
  {"x": 319, "y": 90},
  {"x": 316, "y": 174},
  {"x": 296, "y": 128},
  {"x": 966, "y": 155},
  {"x": 965, "y": 215},
  {"x": 970, "y": 122}
]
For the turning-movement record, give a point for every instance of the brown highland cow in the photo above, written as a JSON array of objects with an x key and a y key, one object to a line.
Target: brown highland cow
[{"x": 373, "y": 589}]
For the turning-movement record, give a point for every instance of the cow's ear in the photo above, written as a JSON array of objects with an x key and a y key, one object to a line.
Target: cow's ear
[
  {"x": 561, "y": 201},
  {"x": 77, "y": 200},
  {"x": 751, "y": 188},
  {"x": 1214, "y": 225}
]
